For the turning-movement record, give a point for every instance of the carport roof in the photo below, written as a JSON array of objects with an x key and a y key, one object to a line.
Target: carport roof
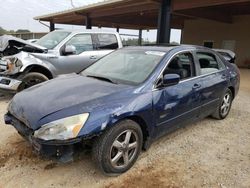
[{"x": 143, "y": 14}]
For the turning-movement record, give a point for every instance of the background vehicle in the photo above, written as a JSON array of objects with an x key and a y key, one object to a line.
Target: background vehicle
[
  {"x": 10, "y": 45},
  {"x": 125, "y": 101},
  {"x": 59, "y": 52}
]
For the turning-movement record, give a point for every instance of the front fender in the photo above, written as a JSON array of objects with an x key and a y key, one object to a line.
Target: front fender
[
  {"x": 104, "y": 118},
  {"x": 29, "y": 60},
  {"x": 105, "y": 115}
]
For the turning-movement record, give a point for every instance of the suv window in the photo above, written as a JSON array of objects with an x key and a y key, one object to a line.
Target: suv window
[
  {"x": 82, "y": 42},
  {"x": 107, "y": 41},
  {"x": 208, "y": 63},
  {"x": 183, "y": 65}
]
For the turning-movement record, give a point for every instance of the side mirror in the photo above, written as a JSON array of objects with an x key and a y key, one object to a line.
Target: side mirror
[
  {"x": 69, "y": 50},
  {"x": 170, "y": 79}
]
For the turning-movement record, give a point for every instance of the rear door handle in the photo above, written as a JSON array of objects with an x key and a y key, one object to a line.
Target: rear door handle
[
  {"x": 196, "y": 86},
  {"x": 93, "y": 57},
  {"x": 224, "y": 76}
]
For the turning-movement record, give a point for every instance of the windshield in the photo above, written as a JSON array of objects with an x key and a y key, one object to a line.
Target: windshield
[
  {"x": 126, "y": 66},
  {"x": 52, "y": 39}
]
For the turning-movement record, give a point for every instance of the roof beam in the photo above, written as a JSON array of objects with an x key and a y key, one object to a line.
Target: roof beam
[
  {"x": 123, "y": 25},
  {"x": 210, "y": 14},
  {"x": 143, "y": 24},
  {"x": 183, "y": 5},
  {"x": 120, "y": 11}
]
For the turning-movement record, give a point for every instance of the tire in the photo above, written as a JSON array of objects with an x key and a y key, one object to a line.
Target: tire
[
  {"x": 112, "y": 145},
  {"x": 223, "y": 109},
  {"x": 31, "y": 79}
]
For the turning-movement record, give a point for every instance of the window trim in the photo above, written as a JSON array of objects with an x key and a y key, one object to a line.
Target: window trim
[
  {"x": 167, "y": 63},
  {"x": 65, "y": 43},
  {"x": 197, "y": 68},
  {"x": 98, "y": 44}
]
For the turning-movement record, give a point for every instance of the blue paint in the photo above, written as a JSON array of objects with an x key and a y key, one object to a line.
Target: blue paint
[{"x": 162, "y": 109}]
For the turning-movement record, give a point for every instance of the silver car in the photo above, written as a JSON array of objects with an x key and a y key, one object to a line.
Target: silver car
[{"x": 58, "y": 52}]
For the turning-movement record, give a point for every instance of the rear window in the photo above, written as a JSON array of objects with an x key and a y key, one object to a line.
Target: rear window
[
  {"x": 209, "y": 63},
  {"x": 107, "y": 41}
]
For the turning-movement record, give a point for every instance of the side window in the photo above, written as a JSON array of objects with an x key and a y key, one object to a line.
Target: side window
[
  {"x": 183, "y": 65},
  {"x": 107, "y": 41},
  {"x": 208, "y": 63},
  {"x": 82, "y": 42}
]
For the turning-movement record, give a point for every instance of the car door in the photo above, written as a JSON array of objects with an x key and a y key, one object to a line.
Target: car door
[
  {"x": 84, "y": 56},
  {"x": 179, "y": 104},
  {"x": 214, "y": 80}
]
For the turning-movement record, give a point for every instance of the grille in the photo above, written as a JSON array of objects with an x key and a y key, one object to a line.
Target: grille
[
  {"x": 21, "y": 127},
  {"x": 3, "y": 66}
]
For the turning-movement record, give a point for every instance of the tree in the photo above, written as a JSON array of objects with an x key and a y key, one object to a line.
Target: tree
[
  {"x": 134, "y": 41},
  {"x": 3, "y": 31},
  {"x": 23, "y": 31}
]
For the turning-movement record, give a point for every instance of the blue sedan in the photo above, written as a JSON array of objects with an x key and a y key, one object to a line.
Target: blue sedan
[{"x": 123, "y": 102}]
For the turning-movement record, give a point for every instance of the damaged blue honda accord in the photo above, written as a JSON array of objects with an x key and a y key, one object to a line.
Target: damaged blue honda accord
[{"x": 123, "y": 102}]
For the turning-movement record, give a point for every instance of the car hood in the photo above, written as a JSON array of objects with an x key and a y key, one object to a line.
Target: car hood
[
  {"x": 8, "y": 42},
  {"x": 64, "y": 92}
]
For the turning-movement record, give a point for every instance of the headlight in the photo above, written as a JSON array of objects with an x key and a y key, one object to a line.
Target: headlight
[
  {"x": 13, "y": 63},
  {"x": 62, "y": 129}
]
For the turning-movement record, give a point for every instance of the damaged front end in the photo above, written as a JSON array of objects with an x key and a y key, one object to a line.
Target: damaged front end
[
  {"x": 59, "y": 150},
  {"x": 10, "y": 63},
  {"x": 10, "y": 45},
  {"x": 9, "y": 69}
]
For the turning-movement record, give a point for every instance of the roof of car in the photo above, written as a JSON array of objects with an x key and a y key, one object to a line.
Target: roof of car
[
  {"x": 167, "y": 48},
  {"x": 86, "y": 31}
]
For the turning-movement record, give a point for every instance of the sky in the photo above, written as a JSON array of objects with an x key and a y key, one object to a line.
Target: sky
[{"x": 19, "y": 14}]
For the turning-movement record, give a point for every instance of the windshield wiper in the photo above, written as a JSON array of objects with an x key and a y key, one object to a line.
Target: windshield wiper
[{"x": 102, "y": 78}]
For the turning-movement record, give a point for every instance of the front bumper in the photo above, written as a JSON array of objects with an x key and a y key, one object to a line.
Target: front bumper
[
  {"x": 9, "y": 84},
  {"x": 61, "y": 150}
]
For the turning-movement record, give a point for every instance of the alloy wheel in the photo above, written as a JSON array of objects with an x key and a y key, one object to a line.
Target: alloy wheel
[
  {"x": 124, "y": 149},
  {"x": 226, "y": 103}
]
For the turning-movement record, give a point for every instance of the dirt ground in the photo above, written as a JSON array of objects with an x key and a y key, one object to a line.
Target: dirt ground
[{"x": 209, "y": 153}]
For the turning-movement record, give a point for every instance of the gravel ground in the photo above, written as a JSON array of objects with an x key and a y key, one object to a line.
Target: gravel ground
[{"x": 209, "y": 153}]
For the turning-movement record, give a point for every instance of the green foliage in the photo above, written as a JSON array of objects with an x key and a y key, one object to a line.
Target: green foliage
[
  {"x": 134, "y": 42},
  {"x": 3, "y": 31},
  {"x": 23, "y": 31}
]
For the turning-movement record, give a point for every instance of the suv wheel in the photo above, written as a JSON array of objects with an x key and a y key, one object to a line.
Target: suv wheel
[
  {"x": 31, "y": 79},
  {"x": 118, "y": 148}
]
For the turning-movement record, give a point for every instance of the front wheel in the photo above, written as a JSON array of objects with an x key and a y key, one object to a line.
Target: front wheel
[
  {"x": 31, "y": 79},
  {"x": 118, "y": 148},
  {"x": 225, "y": 105}
]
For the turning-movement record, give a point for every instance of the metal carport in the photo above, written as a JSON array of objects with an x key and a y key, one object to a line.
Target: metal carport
[{"x": 148, "y": 14}]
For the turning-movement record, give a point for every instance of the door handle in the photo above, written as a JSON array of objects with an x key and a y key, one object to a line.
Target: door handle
[
  {"x": 196, "y": 86},
  {"x": 93, "y": 57},
  {"x": 224, "y": 76}
]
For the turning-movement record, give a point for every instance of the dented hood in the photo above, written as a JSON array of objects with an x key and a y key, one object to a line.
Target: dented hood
[
  {"x": 62, "y": 93},
  {"x": 7, "y": 42}
]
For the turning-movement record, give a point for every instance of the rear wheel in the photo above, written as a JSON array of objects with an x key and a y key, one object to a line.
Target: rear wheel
[
  {"x": 118, "y": 148},
  {"x": 225, "y": 105},
  {"x": 31, "y": 79}
]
